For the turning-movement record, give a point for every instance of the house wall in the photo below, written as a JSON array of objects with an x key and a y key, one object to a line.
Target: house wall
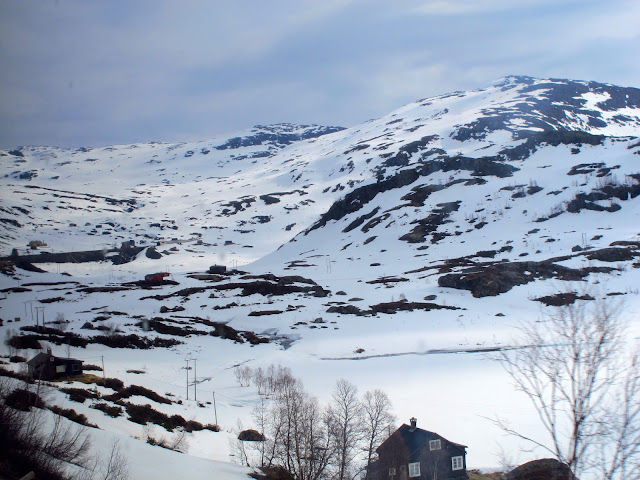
[
  {"x": 50, "y": 370},
  {"x": 437, "y": 464},
  {"x": 434, "y": 464}
]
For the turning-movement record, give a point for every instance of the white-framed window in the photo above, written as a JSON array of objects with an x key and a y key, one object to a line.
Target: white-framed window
[
  {"x": 75, "y": 367},
  {"x": 414, "y": 469},
  {"x": 457, "y": 463},
  {"x": 435, "y": 444},
  {"x": 392, "y": 472},
  {"x": 61, "y": 368}
]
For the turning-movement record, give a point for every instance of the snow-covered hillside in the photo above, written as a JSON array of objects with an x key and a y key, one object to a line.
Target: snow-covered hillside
[{"x": 412, "y": 243}]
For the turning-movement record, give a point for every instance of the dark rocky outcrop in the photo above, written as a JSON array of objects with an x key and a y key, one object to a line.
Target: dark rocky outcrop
[
  {"x": 251, "y": 436},
  {"x": 359, "y": 197},
  {"x": 429, "y": 225},
  {"x": 544, "y": 469},
  {"x": 277, "y": 135},
  {"x": 562, "y": 299},
  {"x": 495, "y": 278}
]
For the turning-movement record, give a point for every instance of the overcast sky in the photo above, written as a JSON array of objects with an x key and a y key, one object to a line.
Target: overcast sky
[{"x": 92, "y": 73}]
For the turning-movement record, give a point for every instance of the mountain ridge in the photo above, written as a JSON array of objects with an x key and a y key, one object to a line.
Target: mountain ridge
[{"x": 415, "y": 242}]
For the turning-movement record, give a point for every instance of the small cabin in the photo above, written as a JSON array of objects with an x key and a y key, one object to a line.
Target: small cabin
[
  {"x": 46, "y": 366},
  {"x": 218, "y": 269},
  {"x": 34, "y": 244},
  {"x": 413, "y": 453},
  {"x": 156, "y": 277},
  {"x": 128, "y": 244}
]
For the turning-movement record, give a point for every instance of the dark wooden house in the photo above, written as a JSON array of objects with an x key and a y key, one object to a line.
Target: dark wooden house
[
  {"x": 413, "y": 453},
  {"x": 217, "y": 269},
  {"x": 46, "y": 366}
]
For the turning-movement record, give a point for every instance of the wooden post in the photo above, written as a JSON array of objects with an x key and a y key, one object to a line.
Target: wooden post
[
  {"x": 215, "y": 410},
  {"x": 195, "y": 380},
  {"x": 187, "y": 369}
]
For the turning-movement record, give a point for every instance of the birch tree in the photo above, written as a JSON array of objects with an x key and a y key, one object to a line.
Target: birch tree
[
  {"x": 345, "y": 426},
  {"x": 578, "y": 372},
  {"x": 377, "y": 421}
]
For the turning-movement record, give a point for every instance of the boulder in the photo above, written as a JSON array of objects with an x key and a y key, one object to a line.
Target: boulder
[{"x": 543, "y": 469}]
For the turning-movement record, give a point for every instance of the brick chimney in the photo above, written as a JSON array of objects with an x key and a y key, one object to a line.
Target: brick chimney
[{"x": 414, "y": 422}]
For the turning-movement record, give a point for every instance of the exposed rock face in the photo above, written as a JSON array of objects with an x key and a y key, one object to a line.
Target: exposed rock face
[
  {"x": 493, "y": 279},
  {"x": 277, "y": 135},
  {"x": 544, "y": 469},
  {"x": 251, "y": 436},
  {"x": 153, "y": 254}
]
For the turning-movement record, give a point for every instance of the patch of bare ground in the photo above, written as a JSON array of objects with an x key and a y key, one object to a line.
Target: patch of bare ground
[
  {"x": 207, "y": 277},
  {"x": 59, "y": 337},
  {"x": 260, "y": 313},
  {"x": 265, "y": 285},
  {"x": 49, "y": 284},
  {"x": 388, "y": 280},
  {"x": 107, "y": 289},
  {"x": 562, "y": 299},
  {"x": 298, "y": 263},
  {"x": 222, "y": 330},
  {"x": 388, "y": 308},
  {"x": 492, "y": 279}
]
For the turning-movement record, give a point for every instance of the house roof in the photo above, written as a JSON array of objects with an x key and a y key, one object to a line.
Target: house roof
[
  {"x": 38, "y": 359},
  {"x": 44, "y": 356},
  {"x": 416, "y": 438}
]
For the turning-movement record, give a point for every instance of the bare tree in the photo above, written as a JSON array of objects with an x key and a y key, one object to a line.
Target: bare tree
[
  {"x": 29, "y": 440},
  {"x": 574, "y": 367},
  {"x": 345, "y": 426},
  {"x": 618, "y": 443},
  {"x": 238, "y": 447},
  {"x": 259, "y": 380},
  {"x": 377, "y": 421},
  {"x": 243, "y": 375},
  {"x": 260, "y": 417},
  {"x": 11, "y": 340},
  {"x": 294, "y": 426},
  {"x": 116, "y": 466}
]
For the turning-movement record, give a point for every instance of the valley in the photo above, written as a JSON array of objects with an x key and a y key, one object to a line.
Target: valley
[{"x": 402, "y": 254}]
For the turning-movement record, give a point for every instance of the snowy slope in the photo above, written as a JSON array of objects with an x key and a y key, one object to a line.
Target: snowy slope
[{"x": 384, "y": 239}]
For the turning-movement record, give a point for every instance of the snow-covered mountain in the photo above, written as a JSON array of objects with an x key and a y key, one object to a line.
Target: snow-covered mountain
[{"x": 433, "y": 229}]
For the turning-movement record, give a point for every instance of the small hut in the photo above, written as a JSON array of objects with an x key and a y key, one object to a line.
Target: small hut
[{"x": 46, "y": 366}]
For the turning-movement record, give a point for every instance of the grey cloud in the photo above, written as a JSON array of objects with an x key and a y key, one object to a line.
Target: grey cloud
[{"x": 92, "y": 73}]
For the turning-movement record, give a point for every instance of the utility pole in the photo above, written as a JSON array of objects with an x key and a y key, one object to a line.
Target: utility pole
[
  {"x": 215, "y": 410},
  {"x": 187, "y": 369},
  {"x": 31, "y": 308},
  {"x": 39, "y": 309},
  {"x": 195, "y": 379}
]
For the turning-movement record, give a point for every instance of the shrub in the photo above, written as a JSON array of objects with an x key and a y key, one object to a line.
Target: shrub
[
  {"x": 193, "y": 426},
  {"x": 21, "y": 342},
  {"x": 138, "y": 390},
  {"x": 89, "y": 367},
  {"x": 134, "y": 341},
  {"x": 113, "y": 383},
  {"x": 79, "y": 394},
  {"x": 28, "y": 444},
  {"x": 276, "y": 472},
  {"x": 144, "y": 414},
  {"x": 111, "y": 410},
  {"x": 10, "y": 373},
  {"x": 22, "y": 399},
  {"x": 72, "y": 415}
]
